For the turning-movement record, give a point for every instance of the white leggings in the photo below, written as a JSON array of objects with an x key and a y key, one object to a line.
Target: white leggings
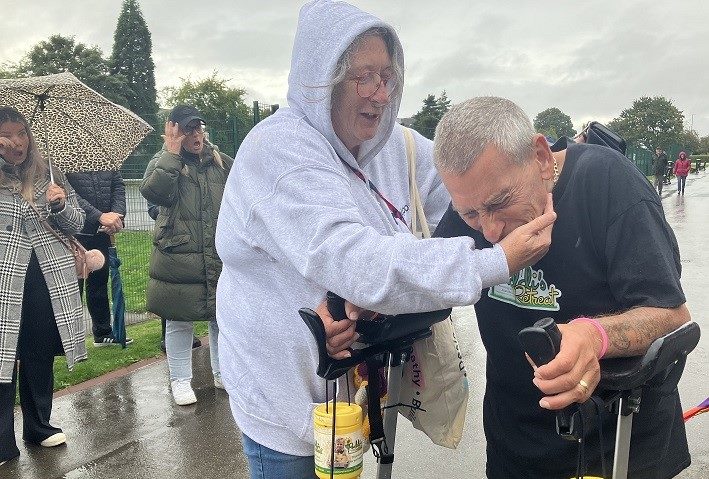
[{"x": 178, "y": 343}]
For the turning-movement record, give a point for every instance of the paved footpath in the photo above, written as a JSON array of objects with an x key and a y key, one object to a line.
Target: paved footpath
[{"x": 127, "y": 427}]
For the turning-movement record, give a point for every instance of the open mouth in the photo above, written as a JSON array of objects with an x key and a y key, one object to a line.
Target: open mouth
[{"x": 371, "y": 116}]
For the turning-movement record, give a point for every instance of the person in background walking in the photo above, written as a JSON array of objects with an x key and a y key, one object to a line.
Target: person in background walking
[
  {"x": 659, "y": 166},
  {"x": 186, "y": 179},
  {"x": 40, "y": 306},
  {"x": 102, "y": 195},
  {"x": 681, "y": 170}
]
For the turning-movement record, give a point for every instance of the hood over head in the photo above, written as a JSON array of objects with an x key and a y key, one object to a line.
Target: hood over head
[
  {"x": 325, "y": 29},
  {"x": 682, "y": 155}
]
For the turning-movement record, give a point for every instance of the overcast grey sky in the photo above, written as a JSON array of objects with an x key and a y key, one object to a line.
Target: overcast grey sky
[{"x": 590, "y": 59}]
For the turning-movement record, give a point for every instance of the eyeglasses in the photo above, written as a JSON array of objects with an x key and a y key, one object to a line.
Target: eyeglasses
[
  {"x": 369, "y": 83},
  {"x": 188, "y": 130}
]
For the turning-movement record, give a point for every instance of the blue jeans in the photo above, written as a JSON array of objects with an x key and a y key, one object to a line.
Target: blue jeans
[
  {"x": 178, "y": 343},
  {"x": 265, "y": 463},
  {"x": 681, "y": 180}
]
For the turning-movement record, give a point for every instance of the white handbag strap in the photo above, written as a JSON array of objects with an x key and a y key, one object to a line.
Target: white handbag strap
[{"x": 419, "y": 225}]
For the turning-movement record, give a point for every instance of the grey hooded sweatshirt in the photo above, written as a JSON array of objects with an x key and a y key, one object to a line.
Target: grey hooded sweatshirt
[{"x": 295, "y": 222}]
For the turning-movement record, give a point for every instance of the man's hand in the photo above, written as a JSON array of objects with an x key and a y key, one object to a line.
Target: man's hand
[
  {"x": 574, "y": 373},
  {"x": 173, "y": 137},
  {"x": 340, "y": 335},
  {"x": 112, "y": 222},
  {"x": 528, "y": 243}
]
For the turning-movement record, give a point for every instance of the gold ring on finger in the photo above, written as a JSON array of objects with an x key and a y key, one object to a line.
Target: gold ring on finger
[{"x": 584, "y": 386}]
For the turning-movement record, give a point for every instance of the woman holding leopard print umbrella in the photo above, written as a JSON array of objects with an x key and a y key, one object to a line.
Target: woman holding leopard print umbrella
[{"x": 40, "y": 307}]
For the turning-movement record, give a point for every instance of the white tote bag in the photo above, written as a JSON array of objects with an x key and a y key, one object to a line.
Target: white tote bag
[{"x": 434, "y": 387}]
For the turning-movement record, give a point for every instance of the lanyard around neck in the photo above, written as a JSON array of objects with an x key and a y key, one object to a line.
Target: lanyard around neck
[{"x": 393, "y": 209}]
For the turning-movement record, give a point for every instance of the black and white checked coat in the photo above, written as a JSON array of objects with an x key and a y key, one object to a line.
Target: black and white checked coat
[{"x": 20, "y": 232}]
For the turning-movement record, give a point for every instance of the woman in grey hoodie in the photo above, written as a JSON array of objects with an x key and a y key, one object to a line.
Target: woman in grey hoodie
[{"x": 300, "y": 216}]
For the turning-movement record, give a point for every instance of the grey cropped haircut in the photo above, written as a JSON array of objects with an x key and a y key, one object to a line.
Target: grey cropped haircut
[
  {"x": 345, "y": 61},
  {"x": 469, "y": 127}
]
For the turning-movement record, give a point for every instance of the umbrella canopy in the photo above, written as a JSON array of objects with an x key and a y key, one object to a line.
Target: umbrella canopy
[
  {"x": 75, "y": 128},
  {"x": 117, "y": 297}
]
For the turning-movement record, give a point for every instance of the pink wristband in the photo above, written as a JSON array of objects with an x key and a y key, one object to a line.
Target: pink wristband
[{"x": 601, "y": 332}]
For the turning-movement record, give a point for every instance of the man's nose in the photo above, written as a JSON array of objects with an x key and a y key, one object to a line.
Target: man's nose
[{"x": 492, "y": 228}]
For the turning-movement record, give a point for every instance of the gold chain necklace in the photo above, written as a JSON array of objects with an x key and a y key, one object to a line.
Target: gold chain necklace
[{"x": 556, "y": 172}]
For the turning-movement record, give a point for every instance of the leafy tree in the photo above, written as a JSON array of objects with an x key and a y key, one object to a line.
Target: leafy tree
[
  {"x": 426, "y": 119},
  {"x": 61, "y": 54},
  {"x": 704, "y": 145},
  {"x": 690, "y": 142},
  {"x": 650, "y": 122},
  {"x": 218, "y": 102},
  {"x": 443, "y": 104},
  {"x": 7, "y": 70},
  {"x": 555, "y": 123},
  {"x": 132, "y": 58}
]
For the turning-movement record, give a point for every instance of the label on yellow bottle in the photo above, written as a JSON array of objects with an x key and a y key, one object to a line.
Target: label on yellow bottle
[{"x": 348, "y": 453}]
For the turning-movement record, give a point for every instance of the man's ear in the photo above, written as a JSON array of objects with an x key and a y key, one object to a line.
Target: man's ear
[{"x": 543, "y": 156}]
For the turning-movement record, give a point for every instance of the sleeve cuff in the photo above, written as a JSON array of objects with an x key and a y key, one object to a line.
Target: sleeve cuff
[{"x": 494, "y": 269}]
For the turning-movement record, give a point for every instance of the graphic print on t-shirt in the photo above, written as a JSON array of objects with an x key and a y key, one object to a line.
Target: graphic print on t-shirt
[{"x": 529, "y": 290}]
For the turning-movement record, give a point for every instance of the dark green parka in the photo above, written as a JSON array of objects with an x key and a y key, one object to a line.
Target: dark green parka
[{"x": 184, "y": 265}]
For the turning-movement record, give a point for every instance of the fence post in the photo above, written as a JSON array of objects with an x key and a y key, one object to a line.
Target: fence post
[
  {"x": 257, "y": 113},
  {"x": 234, "y": 132}
]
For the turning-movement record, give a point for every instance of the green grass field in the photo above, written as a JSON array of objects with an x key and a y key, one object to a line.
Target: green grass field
[
  {"x": 134, "y": 251},
  {"x": 146, "y": 344}
]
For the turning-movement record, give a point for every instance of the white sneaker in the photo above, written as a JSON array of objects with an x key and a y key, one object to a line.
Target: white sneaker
[
  {"x": 182, "y": 392},
  {"x": 54, "y": 440},
  {"x": 218, "y": 382}
]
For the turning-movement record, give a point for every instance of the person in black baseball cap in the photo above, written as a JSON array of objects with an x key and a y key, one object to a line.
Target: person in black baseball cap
[
  {"x": 184, "y": 115},
  {"x": 185, "y": 128},
  {"x": 186, "y": 180}
]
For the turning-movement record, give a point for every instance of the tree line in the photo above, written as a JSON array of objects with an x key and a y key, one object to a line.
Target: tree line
[
  {"x": 648, "y": 123},
  {"x": 127, "y": 76}
]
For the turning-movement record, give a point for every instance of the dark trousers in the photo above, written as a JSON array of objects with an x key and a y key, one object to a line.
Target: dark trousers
[
  {"x": 38, "y": 343},
  {"x": 97, "y": 287}
]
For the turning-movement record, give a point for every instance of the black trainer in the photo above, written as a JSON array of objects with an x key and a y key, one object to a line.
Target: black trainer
[{"x": 109, "y": 341}]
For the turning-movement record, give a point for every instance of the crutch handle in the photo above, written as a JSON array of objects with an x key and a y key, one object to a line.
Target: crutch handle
[
  {"x": 542, "y": 342},
  {"x": 335, "y": 306}
]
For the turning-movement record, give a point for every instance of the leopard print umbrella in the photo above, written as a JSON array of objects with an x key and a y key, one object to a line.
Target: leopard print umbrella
[{"x": 75, "y": 127}]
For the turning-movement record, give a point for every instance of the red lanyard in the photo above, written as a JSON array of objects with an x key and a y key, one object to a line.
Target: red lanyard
[{"x": 394, "y": 211}]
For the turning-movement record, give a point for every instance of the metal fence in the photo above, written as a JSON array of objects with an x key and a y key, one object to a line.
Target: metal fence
[{"x": 134, "y": 243}]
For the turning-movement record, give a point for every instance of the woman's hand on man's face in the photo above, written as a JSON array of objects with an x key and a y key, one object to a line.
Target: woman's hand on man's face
[{"x": 173, "y": 137}]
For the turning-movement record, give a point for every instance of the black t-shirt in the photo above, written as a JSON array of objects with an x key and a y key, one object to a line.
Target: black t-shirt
[{"x": 612, "y": 250}]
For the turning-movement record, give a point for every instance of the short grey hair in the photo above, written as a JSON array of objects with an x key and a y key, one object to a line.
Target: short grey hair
[
  {"x": 469, "y": 127},
  {"x": 345, "y": 61}
]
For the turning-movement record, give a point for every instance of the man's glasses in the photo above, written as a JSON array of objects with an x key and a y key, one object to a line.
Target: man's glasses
[
  {"x": 189, "y": 129},
  {"x": 369, "y": 83}
]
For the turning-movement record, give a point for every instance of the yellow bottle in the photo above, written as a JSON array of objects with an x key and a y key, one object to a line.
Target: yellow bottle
[{"x": 349, "y": 441}]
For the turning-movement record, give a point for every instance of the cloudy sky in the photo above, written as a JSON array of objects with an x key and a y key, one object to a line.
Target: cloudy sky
[{"x": 590, "y": 59}]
